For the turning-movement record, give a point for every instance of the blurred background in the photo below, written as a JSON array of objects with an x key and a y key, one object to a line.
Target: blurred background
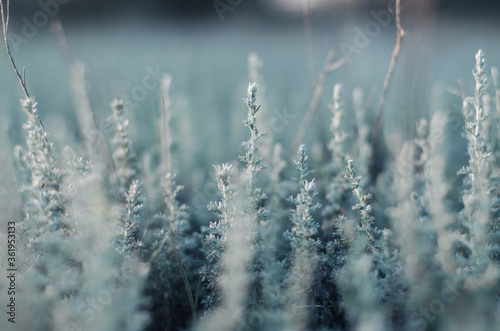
[
  {"x": 264, "y": 9},
  {"x": 205, "y": 45}
]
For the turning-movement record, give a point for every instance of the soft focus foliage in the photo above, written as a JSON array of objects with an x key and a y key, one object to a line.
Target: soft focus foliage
[{"x": 119, "y": 242}]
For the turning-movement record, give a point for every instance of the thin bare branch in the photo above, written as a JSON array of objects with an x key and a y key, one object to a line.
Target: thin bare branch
[
  {"x": 5, "y": 25},
  {"x": 328, "y": 66},
  {"x": 7, "y": 19},
  {"x": 22, "y": 78},
  {"x": 387, "y": 82},
  {"x": 335, "y": 65}
]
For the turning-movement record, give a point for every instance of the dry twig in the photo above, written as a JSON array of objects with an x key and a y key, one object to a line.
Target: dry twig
[
  {"x": 22, "y": 78},
  {"x": 387, "y": 83},
  {"x": 328, "y": 66}
]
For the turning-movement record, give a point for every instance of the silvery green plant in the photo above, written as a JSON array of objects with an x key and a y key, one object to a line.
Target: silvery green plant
[
  {"x": 386, "y": 260},
  {"x": 229, "y": 246},
  {"x": 359, "y": 276},
  {"x": 230, "y": 212},
  {"x": 412, "y": 221},
  {"x": 131, "y": 219},
  {"x": 495, "y": 117},
  {"x": 271, "y": 221},
  {"x": 304, "y": 227},
  {"x": 494, "y": 78},
  {"x": 43, "y": 177},
  {"x": 52, "y": 266},
  {"x": 124, "y": 157},
  {"x": 337, "y": 142},
  {"x": 424, "y": 225},
  {"x": 359, "y": 296},
  {"x": 477, "y": 196},
  {"x": 110, "y": 268},
  {"x": 495, "y": 148},
  {"x": 365, "y": 209},
  {"x": 173, "y": 277},
  {"x": 479, "y": 272},
  {"x": 435, "y": 266},
  {"x": 176, "y": 214},
  {"x": 255, "y": 64},
  {"x": 337, "y": 189},
  {"x": 128, "y": 243},
  {"x": 305, "y": 246},
  {"x": 410, "y": 242},
  {"x": 441, "y": 218},
  {"x": 216, "y": 237},
  {"x": 339, "y": 245},
  {"x": 234, "y": 282},
  {"x": 252, "y": 159},
  {"x": 254, "y": 194}
]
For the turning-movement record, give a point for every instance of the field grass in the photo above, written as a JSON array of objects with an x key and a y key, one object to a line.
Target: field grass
[{"x": 154, "y": 216}]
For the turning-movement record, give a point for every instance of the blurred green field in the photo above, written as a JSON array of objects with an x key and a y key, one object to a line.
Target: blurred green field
[
  {"x": 427, "y": 226},
  {"x": 209, "y": 66}
]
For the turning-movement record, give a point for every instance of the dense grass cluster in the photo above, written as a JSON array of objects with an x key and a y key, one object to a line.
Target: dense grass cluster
[{"x": 404, "y": 248}]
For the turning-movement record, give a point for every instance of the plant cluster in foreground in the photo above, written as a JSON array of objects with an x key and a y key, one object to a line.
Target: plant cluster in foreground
[{"x": 399, "y": 254}]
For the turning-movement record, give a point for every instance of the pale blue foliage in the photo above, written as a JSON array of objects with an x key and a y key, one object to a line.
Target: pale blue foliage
[{"x": 404, "y": 253}]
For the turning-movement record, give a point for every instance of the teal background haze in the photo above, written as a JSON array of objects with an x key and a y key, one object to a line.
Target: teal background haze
[{"x": 116, "y": 41}]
